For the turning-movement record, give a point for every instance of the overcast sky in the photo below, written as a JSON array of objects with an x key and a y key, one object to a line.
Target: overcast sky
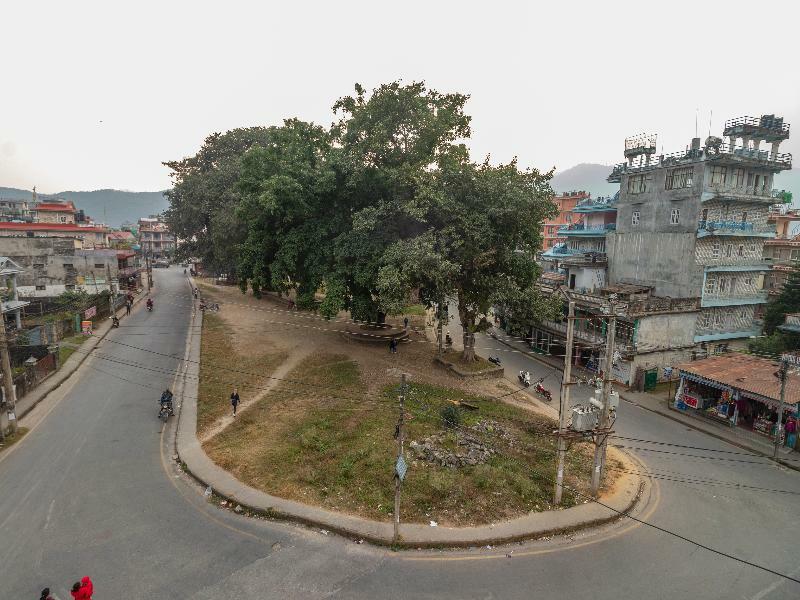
[{"x": 98, "y": 94}]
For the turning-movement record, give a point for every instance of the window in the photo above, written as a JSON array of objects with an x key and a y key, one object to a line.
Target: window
[
  {"x": 70, "y": 286},
  {"x": 636, "y": 184},
  {"x": 795, "y": 254},
  {"x": 41, "y": 288},
  {"x": 728, "y": 250},
  {"x": 753, "y": 249},
  {"x": 748, "y": 282},
  {"x": 38, "y": 265},
  {"x": 703, "y": 320},
  {"x": 568, "y": 218},
  {"x": 738, "y": 177},
  {"x": 679, "y": 178},
  {"x": 635, "y": 217},
  {"x": 99, "y": 266},
  {"x": 741, "y": 250},
  {"x": 744, "y": 216},
  {"x": 765, "y": 186},
  {"x": 719, "y": 319},
  {"x": 711, "y": 286},
  {"x": 675, "y": 216},
  {"x": 724, "y": 284},
  {"x": 720, "y": 348},
  {"x": 68, "y": 266},
  {"x": 756, "y": 182},
  {"x": 715, "y": 249},
  {"x": 718, "y": 175},
  {"x": 63, "y": 219},
  {"x": 704, "y": 216}
]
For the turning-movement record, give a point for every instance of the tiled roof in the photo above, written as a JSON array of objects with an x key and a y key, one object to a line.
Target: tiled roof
[
  {"x": 747, "y": 373},
  {"x": 56, "y": 207}
]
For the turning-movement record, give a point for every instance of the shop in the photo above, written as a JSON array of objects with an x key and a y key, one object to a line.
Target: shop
[{"x": 739, "y": 390}]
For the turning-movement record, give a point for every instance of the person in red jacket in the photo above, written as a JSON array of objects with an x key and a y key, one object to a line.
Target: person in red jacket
[{"x": 83, "y": 589}]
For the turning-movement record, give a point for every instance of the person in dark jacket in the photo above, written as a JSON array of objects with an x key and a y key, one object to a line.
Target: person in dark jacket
[
  {"x": 235, "y": 400},
  {"x": 46, "y": 594}
]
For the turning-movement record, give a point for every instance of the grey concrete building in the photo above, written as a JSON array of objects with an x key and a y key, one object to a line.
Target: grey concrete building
[{"x": 52, "y": 265}]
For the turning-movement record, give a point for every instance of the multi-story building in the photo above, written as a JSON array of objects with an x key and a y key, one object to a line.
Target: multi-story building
[
  {"x": 51, "y": 265},
  {"x": 693, "y": 224},
  {"x": 84, "y": 237},
  {"x": 684, "y": 245},
  {"x": 57, "y": 211},
  {"x": 565, "y": 203},
  {"x": 783, "y": 252},
  {"x": 155, "y": 239},
  {"x": 15, "y": 210}
]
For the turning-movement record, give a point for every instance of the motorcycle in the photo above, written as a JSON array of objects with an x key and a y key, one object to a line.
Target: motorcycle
[
  {"x": 114, "y": 321},
  {"x": 495, "y": 360},
  {"x": 524, "y": 378},
  {"x": 149, "y": 306},
  {"x": 164, "y": 412},
  {"x": 539, "y": 389}
]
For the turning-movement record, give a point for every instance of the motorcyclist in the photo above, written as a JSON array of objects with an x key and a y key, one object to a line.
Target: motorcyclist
[
  {"x": 166, "y": 400},
  {"x": 114, "y": 321},
  {"x": 525, "y": 377},
  {"x": 149, "y": 304}
]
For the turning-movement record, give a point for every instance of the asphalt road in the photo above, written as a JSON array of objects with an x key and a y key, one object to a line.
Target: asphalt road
[{"x": 91, "y": 490}]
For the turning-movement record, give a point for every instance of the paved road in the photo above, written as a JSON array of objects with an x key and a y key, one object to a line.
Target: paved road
[{"x": 91, "y": 491}]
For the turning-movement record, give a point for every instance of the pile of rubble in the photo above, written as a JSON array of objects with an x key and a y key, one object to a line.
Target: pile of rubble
[{"x": 470, "y": 449}]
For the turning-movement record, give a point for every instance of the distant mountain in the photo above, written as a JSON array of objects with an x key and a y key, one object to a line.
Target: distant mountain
[
  {"x": 589, "y": 177},
  {"x": 111, "y": 206}
]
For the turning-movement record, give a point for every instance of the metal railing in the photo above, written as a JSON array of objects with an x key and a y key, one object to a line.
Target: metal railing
[
  {"x": 764, "y": 122},
  {"x": 589, "y": 228}
]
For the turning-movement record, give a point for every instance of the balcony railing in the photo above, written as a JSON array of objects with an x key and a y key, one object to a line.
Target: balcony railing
[
  {"x": 733, "y": 227},
  {"x": 583, "y": 228},
  {"x": 764, "y": 122}
]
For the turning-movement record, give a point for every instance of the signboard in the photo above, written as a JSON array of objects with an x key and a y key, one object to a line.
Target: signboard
[
  {"x": 90, "y": 312},
  {"x": 401, "y": 467},
  {"x": 86, "y": 327},
  {"x": 691, "y": 401}
]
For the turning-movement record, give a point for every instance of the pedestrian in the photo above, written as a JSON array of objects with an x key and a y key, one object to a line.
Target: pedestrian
[
  {"x": 405, "y": 322},
  {"x": 46, "y": 594},
  {"x": 393, "y": 346},
  {"x": 83, "y": 589},
  {"x": 128, "y": 307},
  {"x": 235, "y": 400},
  {"x": 195, "y": 293}
]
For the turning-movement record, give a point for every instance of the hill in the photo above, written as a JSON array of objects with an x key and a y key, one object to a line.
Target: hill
[
  {"x": 589, "y": 177},
  {"x": 112, "y": 206}
]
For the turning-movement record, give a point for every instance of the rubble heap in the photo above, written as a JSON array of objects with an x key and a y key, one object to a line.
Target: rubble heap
[{"x": 470, "y": 449}]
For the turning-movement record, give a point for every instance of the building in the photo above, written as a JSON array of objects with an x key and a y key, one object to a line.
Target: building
[
  {"x": 15, "y": 210},
  {"x": 11, "y": 304},
  {"x": 791, "y": 324},
  {"x": 581, "y": 258},
  {"x": 85, "y": 237},
  {"x": 783, "y": 252},
  {"x": 694, "y": 223},
  {"x": 51, "y": 265},
  {"x": 121, "y": 239},
  {"x": 155, "y": 239},
  {"x": 565, "y": 203},
  {"x": 57, "y": 211},
  {"x": 739, "y": 390}
]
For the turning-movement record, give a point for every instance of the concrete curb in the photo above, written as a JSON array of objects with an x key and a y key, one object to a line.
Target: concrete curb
[
  {"x": 413, "y": 535},
  {"x": 55, "y": 380}
]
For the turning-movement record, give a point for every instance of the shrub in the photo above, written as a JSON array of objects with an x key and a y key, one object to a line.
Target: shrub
[{"x": 451, "y": 416}]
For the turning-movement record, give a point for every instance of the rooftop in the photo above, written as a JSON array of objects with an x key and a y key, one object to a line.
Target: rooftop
[
  {"x": 750, "y": 374},
  {"x": 8, "y": 226},
  {"x": 56, "y": 207}
]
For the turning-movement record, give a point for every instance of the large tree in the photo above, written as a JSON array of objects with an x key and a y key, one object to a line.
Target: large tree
[{"x": 204, "y": 198}]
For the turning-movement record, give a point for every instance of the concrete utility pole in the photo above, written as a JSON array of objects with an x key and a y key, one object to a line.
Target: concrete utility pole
[
  {"x": 8, "y": 378},
  {"x": 564, "y": 405},
  {"x": 398, "y": 476},
  {"x": 782, "y": 373},
  {"x": 601, "y": 441}
]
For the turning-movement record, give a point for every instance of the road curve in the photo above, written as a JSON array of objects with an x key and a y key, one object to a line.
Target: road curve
[{"x": 92, "y": 490}]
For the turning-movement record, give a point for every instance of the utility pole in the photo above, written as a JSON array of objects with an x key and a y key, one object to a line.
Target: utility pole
[
  {"x": 564, "y": 405},
  {"x": 601, "y": 440},
  {"x": 782, "y": 373},
  {"x": 400, "y": 466},
  {"x": 111, "y": 310},
  {"x": 8, "y": 378}
]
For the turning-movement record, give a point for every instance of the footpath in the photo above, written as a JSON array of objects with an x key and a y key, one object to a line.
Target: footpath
[
  {"x": 29, "y": 401},
  {"x": 621, "y": 500},
  {"x": 660, "y": 405}
]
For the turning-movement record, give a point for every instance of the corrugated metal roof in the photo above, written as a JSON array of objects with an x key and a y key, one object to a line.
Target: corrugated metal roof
[{"x": 747, "y": 373}]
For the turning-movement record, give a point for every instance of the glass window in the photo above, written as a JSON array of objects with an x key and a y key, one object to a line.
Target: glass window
[
  {"x": 68, "y": 266},
  {"x": 678, "y": 178},
  {"x": 41, "y": 287},
  {"x": 718, "y": 175},
  {"x": 741, "y": 250},
  {"x": 753, "y": 248},
  {"x": 99, "y": 266},
  {"x": 728, "y": 250},
  {"x": 711, "y": 286},
  {"x": 635, "y": 217},
  {"x": 636, "y": 184},
  {"x": 675, "y": 216},
  {"x": 715, "y": 249},
  {"x": 738, "y": 177}
]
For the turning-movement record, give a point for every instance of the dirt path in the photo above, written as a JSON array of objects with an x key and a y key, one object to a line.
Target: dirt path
[{"x": 275, "y": 380}]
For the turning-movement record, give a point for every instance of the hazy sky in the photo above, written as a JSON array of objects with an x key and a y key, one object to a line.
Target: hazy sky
[{"x": 555, "y": 83}]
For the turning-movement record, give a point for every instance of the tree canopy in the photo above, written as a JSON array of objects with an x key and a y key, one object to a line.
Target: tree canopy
[{"x": 384, "y": 203}]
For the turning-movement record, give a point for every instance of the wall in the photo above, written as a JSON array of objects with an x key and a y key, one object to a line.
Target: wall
[
  {"x": 663, "y": 260},
  {"x": 665, "y": 331},
  {"x": 587, "y": 278}
]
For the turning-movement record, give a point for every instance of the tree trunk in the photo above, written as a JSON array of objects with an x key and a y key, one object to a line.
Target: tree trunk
[{"x": 469, "y": 345}]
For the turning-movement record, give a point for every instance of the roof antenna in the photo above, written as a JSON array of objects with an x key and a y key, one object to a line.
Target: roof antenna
[
  {"x": 709, "y": 122},
  {"x": 696, "y": 110}
]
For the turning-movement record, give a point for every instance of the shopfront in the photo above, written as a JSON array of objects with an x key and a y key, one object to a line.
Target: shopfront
[{"x": 740, "y": 391}]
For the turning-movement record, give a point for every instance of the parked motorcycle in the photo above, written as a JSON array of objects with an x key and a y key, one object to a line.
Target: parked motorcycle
[
  {"x": 495, "y": 360},
  {"x": 524, "y": 378},
  {"x": 539, "y": 389}
]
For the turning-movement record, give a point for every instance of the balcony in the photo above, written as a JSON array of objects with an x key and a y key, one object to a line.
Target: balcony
[
  {"x": 713, "y": 336},
  {"x": 581, "y": 229},
  {"x": 769, "y": 126},
  {"x": 733, "y": 228},
  {"x": 711, "y": 300}
]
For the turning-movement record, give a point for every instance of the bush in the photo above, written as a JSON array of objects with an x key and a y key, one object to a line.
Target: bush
[{"x": 451, "y": 416}]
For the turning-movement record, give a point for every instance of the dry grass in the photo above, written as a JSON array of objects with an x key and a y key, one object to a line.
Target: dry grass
[{"x": 329, "y": 444}]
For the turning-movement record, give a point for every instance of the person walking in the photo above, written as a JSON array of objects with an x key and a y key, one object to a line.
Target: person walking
[
  {"x": 128, "y": 304},
  {"x": 83, "y": 589},
  {"x": 46, "y": 594},
  {"x": 405, "y": 322},
  {"x": 235, "y": 400}
]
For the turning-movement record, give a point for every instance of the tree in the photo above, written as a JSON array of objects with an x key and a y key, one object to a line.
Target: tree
[
  {"x": 788, "y": 301},
  {"x": 204, "y": 198}
]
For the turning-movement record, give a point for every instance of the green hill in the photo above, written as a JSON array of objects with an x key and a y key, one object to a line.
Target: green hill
[{"x": 111, "y": 206}]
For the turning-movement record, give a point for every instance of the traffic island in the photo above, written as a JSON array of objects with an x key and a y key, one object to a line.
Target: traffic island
[{"x": 318, "y": 453}]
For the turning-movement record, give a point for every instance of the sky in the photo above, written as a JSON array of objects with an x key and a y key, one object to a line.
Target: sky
[{"x": 98, "y": 94}]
